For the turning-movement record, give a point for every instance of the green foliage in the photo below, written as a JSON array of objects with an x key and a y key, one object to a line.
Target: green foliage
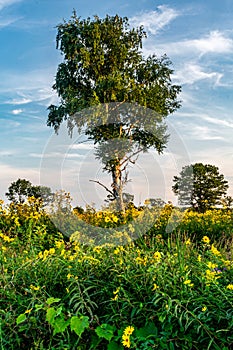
[
  {"x": 200, "y": 186},
  {"x": 103, "y": 64},
  {"x": 174, "y": 290},
  {"x": 20, "y": 190}
]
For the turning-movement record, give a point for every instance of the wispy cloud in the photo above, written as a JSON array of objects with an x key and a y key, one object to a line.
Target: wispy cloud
[
  {"x": 26, "y": 87},
  {"x": 18, "y": 101},
  {"x": 217, "y": 121},
  {"x": 192, "y": 72},
  {"x": 5, "y": 3},
  {"x": 155, "y": 21},
  {"x": 204, "y": 133},
  {"x": 215, "y": 42},
  {"x": 4, "y": 22}
]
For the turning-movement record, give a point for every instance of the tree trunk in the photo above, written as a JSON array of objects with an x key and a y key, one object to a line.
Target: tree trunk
[{"x": 117, "y": 187}]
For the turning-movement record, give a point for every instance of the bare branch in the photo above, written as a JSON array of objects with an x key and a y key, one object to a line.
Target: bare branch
[
  {"x": 132, "y": 155},
  {"x": 105, "y": 187}
]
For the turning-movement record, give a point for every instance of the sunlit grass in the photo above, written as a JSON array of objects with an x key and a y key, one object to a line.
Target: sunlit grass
[{"x": 171, "y": 291}]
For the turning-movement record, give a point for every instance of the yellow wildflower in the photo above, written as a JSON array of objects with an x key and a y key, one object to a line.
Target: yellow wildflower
[
  {"x": 230, "y": 286},
  {"x": 206, "y": 239},
  {"x": 188, "y": 242},
  {"x": 28, "y": 311},
  {"x": 128, "y": 330},
  {"x": 107, "y": 219},
  {"x": 211, "y": 265},
  {"x": 115, "y": 294},
  {"x": 215, "y": 251},
  {"x": 126, "y": 336},
  {"x": 59, "y": 244},
  {"x": 188, "y": 283},
  {"x": 155, "y": 286},
  {"x": 204, "y": 308},
  {"x": 157, "y": 256},
  {"x": 34, "y": 287},
  {"x": 69, "y": 276},
  {"x": 126, "y": 341},
  {"x": 51, "y": 251}
]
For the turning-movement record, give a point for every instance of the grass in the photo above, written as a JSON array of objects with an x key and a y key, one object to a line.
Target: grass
[{"x": 161, "y": 291}]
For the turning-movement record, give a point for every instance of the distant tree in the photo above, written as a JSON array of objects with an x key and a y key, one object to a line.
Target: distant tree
[
  {"x": 103, "y": 64},
  {"x": 20, "y": 190},
  {"x": 227, "y": 202},
  {"x": 200, "y": 186},
  {"x": 155, "y": 202},
  {"x": 42, "y": 192}
]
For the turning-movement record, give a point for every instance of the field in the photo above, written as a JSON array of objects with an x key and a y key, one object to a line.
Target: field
[{"x": 168, "y": 288}]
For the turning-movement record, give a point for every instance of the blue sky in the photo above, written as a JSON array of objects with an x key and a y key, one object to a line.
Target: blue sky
[{"x": 198, "y": 38}]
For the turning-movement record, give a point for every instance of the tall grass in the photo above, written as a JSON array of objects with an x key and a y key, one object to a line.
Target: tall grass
[{"x": 161, "y": 291}]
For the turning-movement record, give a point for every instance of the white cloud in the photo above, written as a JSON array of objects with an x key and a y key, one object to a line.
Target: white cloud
[
  {"x": 204, "y": 133},
  {"x": 4, "y": 22},
  {"x": 215, "y": 42},
  {"x": 5, "y": 3},
  {"x": 217, "y": 121},
  {"x": 155, "y": 21},
  {"x": 17, "y": 111},
  {"x": 27, "y": 87},
  {"x": 18, "y": 101},
  {"x": 82, "y": 146},
  {"x": 192, "y": 72}
]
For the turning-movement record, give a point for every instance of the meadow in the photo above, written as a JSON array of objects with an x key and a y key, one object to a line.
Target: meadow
[{"x": 170, "y": 287}]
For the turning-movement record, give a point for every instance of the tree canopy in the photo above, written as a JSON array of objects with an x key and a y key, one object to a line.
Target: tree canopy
[
  {"x": 200, "y": 186},
  {"x": 20, "y": 190},
  {"x": 103, "y": 64}
]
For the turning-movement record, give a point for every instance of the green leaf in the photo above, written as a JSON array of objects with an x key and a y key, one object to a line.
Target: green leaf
[
  {"x": 39, "y": 307},
  {"x": 105, "y": 331},
  {"x": 114, "y": 346},
  {"x": 50, "y": 315},
  {"x": 79, "y": 324},
  {"x": 147, "y": 331},
  {"x": 52, "y": 300},
  {"x": 60, "y": 325},
  {"x": 21, "y": 318}
]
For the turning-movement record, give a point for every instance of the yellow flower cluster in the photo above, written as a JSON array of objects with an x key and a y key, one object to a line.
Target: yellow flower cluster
[
  {"x": 6, "y": 238},
  {"x": 215, "y": 251},
  {"x": 43, "y": 255},
  {"x": 211, "y": 276},
  {"x": 126, "y": 336},
  {"x": 188, "y": 283},
  {"x": 34, "y": 287},
  {"x": 157, "y": 256}
]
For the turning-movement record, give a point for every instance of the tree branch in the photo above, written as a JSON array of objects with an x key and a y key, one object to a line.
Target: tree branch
[
  {"x": 105, "y": 187},
  {"x": 132, "y": 155}
]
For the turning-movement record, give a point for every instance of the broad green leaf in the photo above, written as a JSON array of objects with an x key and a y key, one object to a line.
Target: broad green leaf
[
  {"x": 21, "y": 318},
  {"x": 114, "y": 346},
  {"x": 50, "y": 315},
  {"x": 79, "y": 324},
  {"x": 147, "y": 331},
  {"x": 105, "y": 331},
  {"x": 60, "y": 325},
  {"x": 52, "y": 300}
]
